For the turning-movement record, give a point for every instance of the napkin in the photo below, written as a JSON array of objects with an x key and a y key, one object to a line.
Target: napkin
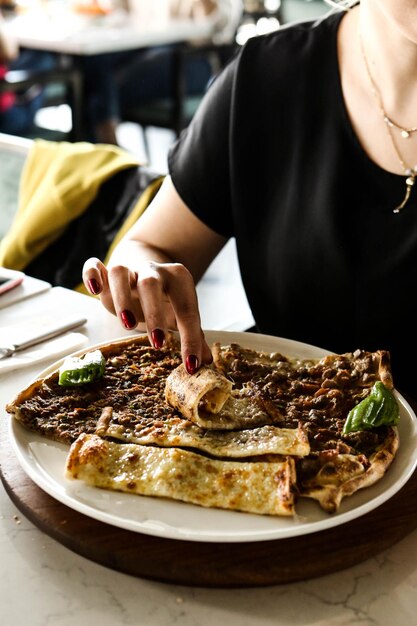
[{"x": 49, "y": 350}]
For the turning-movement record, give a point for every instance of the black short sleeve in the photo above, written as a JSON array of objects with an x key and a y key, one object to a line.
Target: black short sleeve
[{"x": 199, "y": 163}]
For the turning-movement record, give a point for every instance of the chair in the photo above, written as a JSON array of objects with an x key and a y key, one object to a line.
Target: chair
[
  {"x": 13, "y": 153},
  {"x": 175, "y": 112},
  {"x": 63, "y": 85},
  {"x": 98, "y": 189}
]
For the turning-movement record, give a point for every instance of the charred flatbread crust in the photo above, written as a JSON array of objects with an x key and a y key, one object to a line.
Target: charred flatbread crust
[
  {"x": 134, "y": 386},
  {"x": 253, "y": 486},
  {"x": 346, "y": 474}
]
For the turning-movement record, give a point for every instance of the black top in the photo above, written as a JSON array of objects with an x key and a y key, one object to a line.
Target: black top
[{"x": 271, "y": 158}]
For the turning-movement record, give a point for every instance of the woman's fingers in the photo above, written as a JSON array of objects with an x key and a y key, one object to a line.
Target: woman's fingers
[
  {"x": 125, "y": 296},
  {"x": 156, "y": 307},
  {"x": 96, "y": 281},
  {"x": 179, "y": 286},
  {"x": 207, "y": 356},
  {"x": 162, "y": 295},
  {"x": 93, "y": 272}
]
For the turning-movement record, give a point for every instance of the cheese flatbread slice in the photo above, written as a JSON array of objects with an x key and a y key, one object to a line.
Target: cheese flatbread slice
[
  {"x": 218, "y": 443},
  {"x": 252, "y": 486}
]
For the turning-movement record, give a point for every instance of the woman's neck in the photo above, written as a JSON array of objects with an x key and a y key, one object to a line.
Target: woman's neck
[
  {"x": 392, "y": 57},
  {"x": 379, "y": 81}
]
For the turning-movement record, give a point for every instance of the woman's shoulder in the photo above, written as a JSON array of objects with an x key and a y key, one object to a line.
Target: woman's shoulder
[{"x": 295, "y": 40}]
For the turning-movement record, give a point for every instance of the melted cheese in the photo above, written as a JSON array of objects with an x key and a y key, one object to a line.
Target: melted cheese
[{"x": 252, "y": 486}]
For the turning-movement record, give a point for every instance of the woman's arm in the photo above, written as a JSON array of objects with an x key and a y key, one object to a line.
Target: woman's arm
[{"x": 152, "y": 273}]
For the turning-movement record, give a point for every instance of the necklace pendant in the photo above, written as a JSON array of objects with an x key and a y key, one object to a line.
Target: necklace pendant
[
  {"x": 410, "y": 183},
  {"x": 405, "y": 134}
]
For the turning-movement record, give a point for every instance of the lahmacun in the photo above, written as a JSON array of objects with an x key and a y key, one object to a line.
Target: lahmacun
[{"x": 253, "y": 432}]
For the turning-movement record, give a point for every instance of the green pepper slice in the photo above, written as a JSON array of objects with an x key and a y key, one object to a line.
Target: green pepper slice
[
  {"x": 79, "y": 371},
  {"x": 379, "y": 408}
]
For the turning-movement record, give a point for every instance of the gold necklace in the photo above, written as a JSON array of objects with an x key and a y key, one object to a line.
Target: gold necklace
[
  {"x": 405, "y": 132},
  {"x": 410, "y": 172}
]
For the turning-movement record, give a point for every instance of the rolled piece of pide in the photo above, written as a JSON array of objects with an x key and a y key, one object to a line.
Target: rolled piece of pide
[{"x": 199, "y": 397}]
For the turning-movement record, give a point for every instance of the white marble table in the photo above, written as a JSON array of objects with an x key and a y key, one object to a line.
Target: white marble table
[{"x": 44, "y": 583}]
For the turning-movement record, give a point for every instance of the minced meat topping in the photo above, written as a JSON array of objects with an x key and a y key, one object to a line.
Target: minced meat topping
[{"x": 316, "y": 394}]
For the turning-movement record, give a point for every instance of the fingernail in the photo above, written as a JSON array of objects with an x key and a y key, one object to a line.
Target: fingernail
[
  {"x": 191, "y": 364},
  {"x": 158, "y": 338},
  {"x": 128, "y": 319},
  {"x": 93, "y": 286}
]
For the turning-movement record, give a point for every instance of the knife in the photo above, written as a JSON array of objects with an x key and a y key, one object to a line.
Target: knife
[{"x": 53, "y": 331}]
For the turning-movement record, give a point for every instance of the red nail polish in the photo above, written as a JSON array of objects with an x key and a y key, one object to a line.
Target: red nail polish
[
  {"x": 158, "y": 338},
  {"x": 191, "y": 364},
  {"x": 93, "y": 286},
  {"x": 128, "y": 319}
]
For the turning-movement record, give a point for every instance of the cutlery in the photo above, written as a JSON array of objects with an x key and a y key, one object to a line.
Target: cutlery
[{"x": 54, "y": 331}]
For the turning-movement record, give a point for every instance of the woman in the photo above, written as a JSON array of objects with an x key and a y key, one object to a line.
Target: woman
[{"x": 304, "y": 150}]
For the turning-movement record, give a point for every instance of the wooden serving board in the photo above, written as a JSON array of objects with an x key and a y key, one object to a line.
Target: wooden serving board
[{"x": 202, "y": 564}]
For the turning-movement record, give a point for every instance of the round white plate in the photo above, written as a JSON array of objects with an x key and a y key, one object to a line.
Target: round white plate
[{"x": 44, "y": 462}]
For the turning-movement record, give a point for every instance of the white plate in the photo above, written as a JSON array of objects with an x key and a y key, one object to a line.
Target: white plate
[{"x": 44, "y": 462}]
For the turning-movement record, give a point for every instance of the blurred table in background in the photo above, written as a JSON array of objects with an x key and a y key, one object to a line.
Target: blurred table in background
[
  {"x": 57, "y": 27},
  {"x": 69, "y": 31}
]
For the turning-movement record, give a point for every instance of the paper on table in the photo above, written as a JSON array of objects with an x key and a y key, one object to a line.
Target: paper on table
[
  {"x": 29, "y": 287},
  {"x": 51, "y": 350}
]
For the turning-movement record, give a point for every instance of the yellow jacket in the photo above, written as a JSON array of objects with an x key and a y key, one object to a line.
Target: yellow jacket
[{"x": 59, "y": 182}]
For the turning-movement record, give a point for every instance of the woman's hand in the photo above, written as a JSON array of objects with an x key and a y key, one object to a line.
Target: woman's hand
[
  {"x": 160, "y": 294},
  {"x": 142, "y": 283}
]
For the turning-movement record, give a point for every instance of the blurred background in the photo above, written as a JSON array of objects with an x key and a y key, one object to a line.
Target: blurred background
[{"x": 130, "y": 72}]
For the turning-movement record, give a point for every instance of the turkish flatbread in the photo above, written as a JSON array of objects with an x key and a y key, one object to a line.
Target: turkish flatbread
[{"x": 263, "y": 487}]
